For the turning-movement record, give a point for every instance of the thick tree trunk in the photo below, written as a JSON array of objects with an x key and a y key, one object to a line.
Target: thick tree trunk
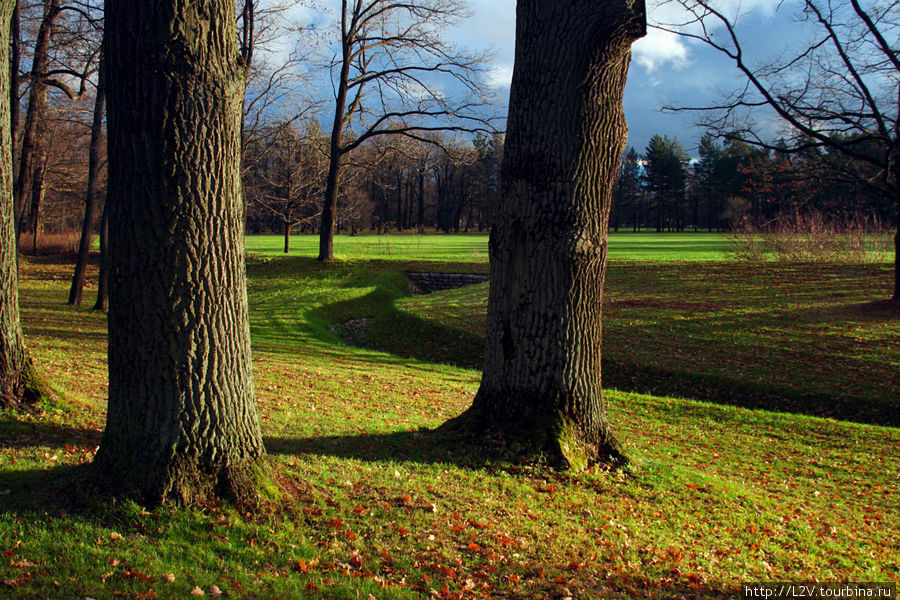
[
  {"x": 18, "y": 384},
  {"x": 90, "y": 201},
  {"x": 182, "y": 421},
  {"x": 565, "y": 133},
  {"x": 35, "y": 119}
]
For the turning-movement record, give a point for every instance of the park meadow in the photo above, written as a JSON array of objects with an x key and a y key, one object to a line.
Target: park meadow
[{"x": 757, "y": 403}]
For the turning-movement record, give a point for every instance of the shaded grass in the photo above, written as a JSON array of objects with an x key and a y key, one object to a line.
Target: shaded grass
[
  {"x": 805, "y": 338},
  {"x": 716, "y": 495}
]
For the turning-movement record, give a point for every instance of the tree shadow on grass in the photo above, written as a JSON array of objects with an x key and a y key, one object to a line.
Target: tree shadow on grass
[
  {"x": 427, "y": 446},
  {"x": 60, "y": 490},
  {"x": 20, "y": 434}
]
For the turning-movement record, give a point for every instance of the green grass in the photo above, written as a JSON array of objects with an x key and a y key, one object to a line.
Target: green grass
[
  {"x": 380, "y": 507},
  {"x": 473, "y": 247},
  {"x": 810, "y": 338}
]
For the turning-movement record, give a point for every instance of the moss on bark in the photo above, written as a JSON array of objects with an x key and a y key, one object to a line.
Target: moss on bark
[{"x": 549, "y": 438}]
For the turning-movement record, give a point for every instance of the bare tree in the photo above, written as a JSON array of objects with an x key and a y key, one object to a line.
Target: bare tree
[
  {"x": 63, "y": 58},
  {"x": 92, "y": 194},
  {"x": 287, "y": 181},
  {"x": 392, "y": 77},
  {"x": 839, "y": 91}
]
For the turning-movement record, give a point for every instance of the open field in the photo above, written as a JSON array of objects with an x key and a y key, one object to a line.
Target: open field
[
  {"x": 377, "y": 505},
  {"x": 473, "y": 247}
]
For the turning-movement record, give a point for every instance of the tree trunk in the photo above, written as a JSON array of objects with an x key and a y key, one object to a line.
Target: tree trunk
[
  {"x": 896, "y": 296},
  {"x": 287, "y": 234},
  {"x": 103, "y": 278},
  {"x": 90, "y": 202},
  {"x": 15, "y": 45},
  {"x": 18, "y": 384},
  {"x": 182, "y": 421},
  {"x": 565, "y": 133},
  {"x": 335, "y": 156},
  {"x": 39, "y": 163},
  {"x": 35, "y": 119},
  {"x": 420, "y": 216}
]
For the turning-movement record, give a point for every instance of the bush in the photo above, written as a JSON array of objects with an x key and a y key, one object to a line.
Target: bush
[
  {"x": 812, "y": 238},
  {"x": 64, "y": 243}
]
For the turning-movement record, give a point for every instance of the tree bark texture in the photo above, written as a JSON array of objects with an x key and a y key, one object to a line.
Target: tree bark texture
[
  {"x": 90, "y": 202},
  {"x": 565, "y": 133},
  {"x": 182, "y": 421},
  {"x": 33, "y": 155},
  {"x": 17, "y": 380}
]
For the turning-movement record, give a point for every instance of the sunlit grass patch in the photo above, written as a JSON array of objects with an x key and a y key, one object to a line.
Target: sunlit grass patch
[{"x": 375, "y": 503}]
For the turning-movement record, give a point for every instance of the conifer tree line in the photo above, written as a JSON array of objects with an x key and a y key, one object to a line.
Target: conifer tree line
[{"x": 731, "y": 182}]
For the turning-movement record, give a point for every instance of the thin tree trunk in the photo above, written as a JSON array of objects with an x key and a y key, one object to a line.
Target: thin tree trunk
[
  {"x": 565, "y": 133},
  {"x": 182, "y": 421},
  {"x": 14, "y": 60},
  {"x": 39, "y": 169},
  {"x": 896, "y": 296},
  {"x": 18, "y": 383},
  {"x": 420, "y": 217},
  {"x": 335, "y": 157},
  {"x": 90, "y": 202},
  {"x": 103, "y": 278},
  {"x": 35, "y": 118}
]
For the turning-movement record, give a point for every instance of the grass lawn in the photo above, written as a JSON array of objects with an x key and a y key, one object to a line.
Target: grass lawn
[
  {"x": 805, "y": 338},
  {"x": 378, "y": 507},
  {"x": 473, "y": 247}
]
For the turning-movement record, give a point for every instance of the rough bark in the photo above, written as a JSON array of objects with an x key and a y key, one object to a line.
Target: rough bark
[
  {"x": 90, "y": 201},
  {"x": 31, "y": 160},
  {"x": 566, "y": 130},
  {"x": 182, "y": 421},
  {"x": 19, "y": 386}
]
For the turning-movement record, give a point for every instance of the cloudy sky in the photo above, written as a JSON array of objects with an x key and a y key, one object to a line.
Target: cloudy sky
[{"x": 666, "y": 70}]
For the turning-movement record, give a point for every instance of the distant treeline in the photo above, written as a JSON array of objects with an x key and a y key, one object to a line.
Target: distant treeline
[{"x": 663, "y": 189}]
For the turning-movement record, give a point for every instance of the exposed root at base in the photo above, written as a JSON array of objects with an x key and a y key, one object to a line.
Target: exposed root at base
[
  {"x": 26, "y": 392},
  {"x": 552, "y": 441}
]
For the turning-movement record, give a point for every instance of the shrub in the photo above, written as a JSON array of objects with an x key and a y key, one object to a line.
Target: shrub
[{"x": 812, "y": 238}]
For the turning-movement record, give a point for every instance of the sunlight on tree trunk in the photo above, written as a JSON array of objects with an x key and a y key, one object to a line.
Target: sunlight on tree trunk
[
  {"x": 182, "y": 421},
  {"x": 566, "y": 131},
  {"x": 19, "y": 386}
]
